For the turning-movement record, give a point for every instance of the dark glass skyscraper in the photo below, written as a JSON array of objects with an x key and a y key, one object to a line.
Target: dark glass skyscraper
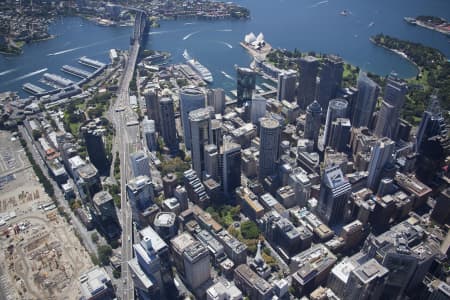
[
  {"x": 336, "y": 109},
  {"x": 168, "y": 130},
  {"x": 268, "y": 149},
  {"x": 330, "y": 79},
  {"x": 246, "y": 82},
  {"x": 389, "y": 114},
  {"x": 152, "y": 106},
  {"x": 334, "y": 193},
  {"x": 432, "y": 123},
  {"x": 312, "y": 122},
  {"x": 306, "y": 93},
  {"x": 365, "y": 101}
]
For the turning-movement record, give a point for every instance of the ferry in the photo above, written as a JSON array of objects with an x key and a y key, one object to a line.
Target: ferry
[{"x": 200, "y": 69}]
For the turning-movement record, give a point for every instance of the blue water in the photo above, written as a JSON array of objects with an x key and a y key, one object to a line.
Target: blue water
[{"x": 307, "y": 25}]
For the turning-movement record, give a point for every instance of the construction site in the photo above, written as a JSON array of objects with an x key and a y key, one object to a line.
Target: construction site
[{"x": 40, "y": 255}]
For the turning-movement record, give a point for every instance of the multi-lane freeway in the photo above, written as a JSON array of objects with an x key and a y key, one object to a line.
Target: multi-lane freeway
[{"x": 127, "y": 138}]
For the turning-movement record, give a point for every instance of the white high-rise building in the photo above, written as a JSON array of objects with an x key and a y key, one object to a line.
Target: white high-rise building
[
  {"x": 191, "y": 98},
  {"x": 257, "y": 108},
  {"x": 199, "y": 124}
]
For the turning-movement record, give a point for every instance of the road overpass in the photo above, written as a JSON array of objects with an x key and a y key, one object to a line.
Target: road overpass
[{"x": 127, "y": 139}]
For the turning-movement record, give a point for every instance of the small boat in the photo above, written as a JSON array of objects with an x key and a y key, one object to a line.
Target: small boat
[{"x": 344, "y": 13}]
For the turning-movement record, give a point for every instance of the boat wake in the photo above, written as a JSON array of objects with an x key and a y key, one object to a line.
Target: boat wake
[
  {"x": 189, "y": 23},
  {"x": 29, "y": 75},
  {"x": 66, "y": 51},
  {"x": 224, "y": 30},
  {"x": 227, "y": 44},
  {"x": 189, "y": 35},
  {"x": 227, "y": 75},
  {"x": 157, "y": 32},
  {"x": 319, "y": 3},
  {"x": 7, "y": 72}
]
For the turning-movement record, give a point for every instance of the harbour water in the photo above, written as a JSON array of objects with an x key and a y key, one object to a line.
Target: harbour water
[{"x": 308, "y": 25}]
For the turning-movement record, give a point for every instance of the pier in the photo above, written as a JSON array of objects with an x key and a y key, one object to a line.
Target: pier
[
  {"x": 56, "y": 80},
  {"x": 33, "y": 89},
  {"x": 76, "y": 71},
  {"x": 91, "y": 63}
]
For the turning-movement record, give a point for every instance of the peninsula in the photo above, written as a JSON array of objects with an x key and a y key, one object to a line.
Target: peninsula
[{"x": 433, "y": 23}]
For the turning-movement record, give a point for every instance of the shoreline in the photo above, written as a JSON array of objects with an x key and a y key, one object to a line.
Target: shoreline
[
  {"x": 399, "y": 53},
  {"x": 414, "y": 21}
]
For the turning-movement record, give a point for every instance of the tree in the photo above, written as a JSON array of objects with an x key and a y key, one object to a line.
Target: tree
[
  {"x": 36, "y": 134},
  {"x": 104, "y": 253},
  {"x": 249, "y": 230},
  {"x": 116, "y": 274},
  {"x": 94, "y": 237}
]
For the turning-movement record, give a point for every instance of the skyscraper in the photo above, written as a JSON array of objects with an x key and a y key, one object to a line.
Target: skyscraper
[
  {"x": 191, "y": 98},
  {"x": 246, "y": 82},
  {"x": 389, "y": 114},
  {"x": 140, "y": 164},
  {"x": 168, "y": 128},
  {"x": 257, "y": 108},
  {"x": 212, "y": 161},
  {"x": 215, "y": 133},
  {"x": 432, "y": 123},
  {"x": 340, "y": 134},
  {"x": 336, "y": 109},
  {"x": 365, "y": 101},
  {"x": 147, "y": 265},
  {"x": 269, "y": 144},
  {"x": 306, "y": 93},
  {"x": 148, "y": 127},
  {"x": 95, "y": 147},
  {"x": 216, "y": 99},
  {"x": 152, "y": 106},
  {"x": 382, "y": 153},
  {"x": 335, "y": 190},
  {"x": 286, "y": 85},
  {"x": 140, "y": 196},
  {"x": 330, "y": 79},
  {"x": 199, "y": 123},
  {"x": 312, "y": 122},
  {"x": 231, "y": 167}
]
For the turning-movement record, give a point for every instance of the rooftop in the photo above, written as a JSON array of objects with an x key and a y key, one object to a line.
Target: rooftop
[
  {"x": 94, "y": 282},
  {"x": 165, "y": 219},
  {"x": 195, "y": 251},
  {"x": 182, "y": 241},
  {"x": 312, "y": 262},
  {"x": 102, "y": 198},
  {"x": 158, "y": 243}
]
